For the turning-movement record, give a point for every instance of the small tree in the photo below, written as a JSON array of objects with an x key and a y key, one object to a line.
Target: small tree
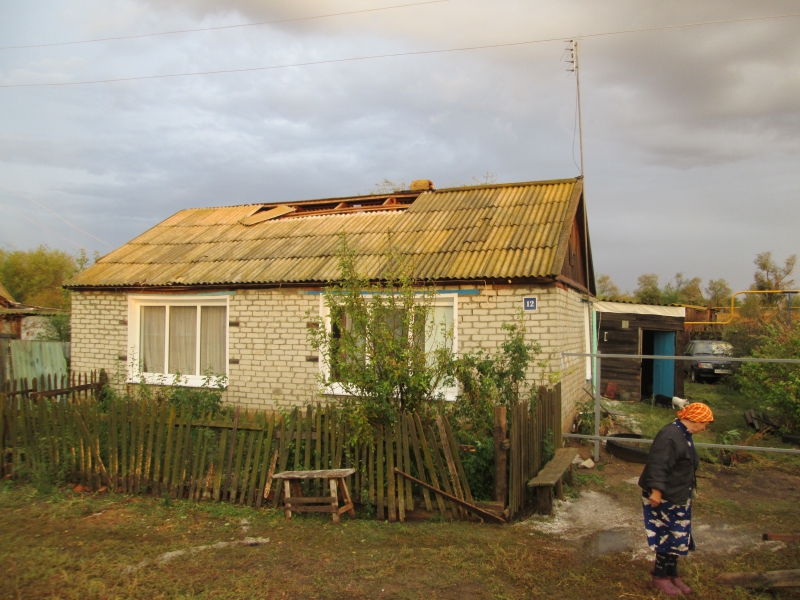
[
  {"x": 776, "y": 384},
  {"x": 494, "y": 379},
  {"x": 375, "y": 345}
]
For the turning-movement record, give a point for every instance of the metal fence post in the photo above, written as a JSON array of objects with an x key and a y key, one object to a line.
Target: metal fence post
[{"x": 597, "y": 411}]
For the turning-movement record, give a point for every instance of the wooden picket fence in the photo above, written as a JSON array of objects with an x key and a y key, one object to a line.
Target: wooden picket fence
[
  {"x": 146, "y": 447},
  {"x": 532, "y": 425}
]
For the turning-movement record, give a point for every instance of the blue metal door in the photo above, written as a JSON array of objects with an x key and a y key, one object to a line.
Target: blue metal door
[{"x": 664, "y": 370}]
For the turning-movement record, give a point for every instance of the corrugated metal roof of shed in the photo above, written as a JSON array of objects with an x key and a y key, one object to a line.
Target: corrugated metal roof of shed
[{"x": 493, "y": 231}]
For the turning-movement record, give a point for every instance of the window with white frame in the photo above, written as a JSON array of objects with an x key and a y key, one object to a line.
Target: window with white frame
[
  {"x": 177, "y": 335},
  {"x": 440, "y": 330}
]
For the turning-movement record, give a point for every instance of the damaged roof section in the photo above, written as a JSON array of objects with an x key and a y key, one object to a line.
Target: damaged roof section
[{"x": 505, "y": 231}]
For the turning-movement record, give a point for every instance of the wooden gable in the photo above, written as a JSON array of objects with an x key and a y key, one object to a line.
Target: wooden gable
[{"x": 577, "y": 260}]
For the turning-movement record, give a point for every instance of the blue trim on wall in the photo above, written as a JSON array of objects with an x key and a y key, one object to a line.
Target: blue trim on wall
[{"x": 472, "y": 292}]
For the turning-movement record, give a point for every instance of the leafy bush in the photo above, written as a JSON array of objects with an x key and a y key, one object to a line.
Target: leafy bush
[
  {"x": 776, "y": 385},
  {"x": 494, "y": 379},
  {"x": 199, "y": 401},
  {"x": 375, "y": 345}
]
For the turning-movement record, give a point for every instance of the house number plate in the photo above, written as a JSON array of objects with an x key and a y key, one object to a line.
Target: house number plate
[{"x": 530, "y": 303}]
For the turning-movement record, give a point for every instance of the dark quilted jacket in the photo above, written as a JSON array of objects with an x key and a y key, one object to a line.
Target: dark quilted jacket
[{"x": 671, "y": 466}]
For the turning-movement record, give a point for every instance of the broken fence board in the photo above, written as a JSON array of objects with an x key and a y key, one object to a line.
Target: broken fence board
[{"x": 483, "y": 514}]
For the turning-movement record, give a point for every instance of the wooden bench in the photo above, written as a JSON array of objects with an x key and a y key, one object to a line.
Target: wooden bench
[
  {"x": 294, "y": 501},
  {"x": 550, "y": 479}
]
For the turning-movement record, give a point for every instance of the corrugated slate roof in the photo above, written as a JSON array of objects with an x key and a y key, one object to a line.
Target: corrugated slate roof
[{"x": 493, "y": 231}]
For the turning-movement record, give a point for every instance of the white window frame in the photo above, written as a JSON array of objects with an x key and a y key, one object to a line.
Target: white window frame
[
  {"x": 136, "y": 301},
  {"x": 337, "y": 389}
]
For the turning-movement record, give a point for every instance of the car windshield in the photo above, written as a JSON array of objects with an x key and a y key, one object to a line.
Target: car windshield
[{"x": 713, "y": 349}]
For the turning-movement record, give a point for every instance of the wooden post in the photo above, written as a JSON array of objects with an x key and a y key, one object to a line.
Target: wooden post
[{"x": 500, "y": 455}]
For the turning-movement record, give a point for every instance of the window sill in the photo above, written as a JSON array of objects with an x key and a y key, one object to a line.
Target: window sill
[
  {"x": 193, "y": 381},
  {"x": 337, "y": 389}
]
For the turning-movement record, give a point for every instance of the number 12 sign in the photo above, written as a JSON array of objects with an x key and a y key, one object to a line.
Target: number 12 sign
[{"x": 530, "y": 303}]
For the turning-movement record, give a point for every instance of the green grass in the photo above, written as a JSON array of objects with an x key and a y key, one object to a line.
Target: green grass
[
  {"x": 728, "y": 407},
  {"x": 68, "y": 545}
]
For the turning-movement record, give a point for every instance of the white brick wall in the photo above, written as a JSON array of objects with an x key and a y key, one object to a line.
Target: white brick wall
[{"x": 271, "y": 346}]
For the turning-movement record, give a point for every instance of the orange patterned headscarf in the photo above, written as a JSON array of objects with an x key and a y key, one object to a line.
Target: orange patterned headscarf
[{"x": 696, "y": 412}]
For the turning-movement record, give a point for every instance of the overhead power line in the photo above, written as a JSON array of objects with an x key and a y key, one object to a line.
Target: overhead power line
[
  {"x": 390, "y": 55},
  {"x": 220, "y": 27},
  {"x": 37, "y": 203},
  {"x": 39, "y": 224}
]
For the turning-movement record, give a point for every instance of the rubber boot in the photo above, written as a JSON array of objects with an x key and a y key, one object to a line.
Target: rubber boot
[
  {"x": 678, "y": 583},
  {"x": 664, "y": 584}
]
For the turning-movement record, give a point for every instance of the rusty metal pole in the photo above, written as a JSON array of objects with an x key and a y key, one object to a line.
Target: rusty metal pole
[{"x": 500, "y": 455}]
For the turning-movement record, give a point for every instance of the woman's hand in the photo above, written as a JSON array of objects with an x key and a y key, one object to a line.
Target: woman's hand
[{"x": 655, "y": 498}]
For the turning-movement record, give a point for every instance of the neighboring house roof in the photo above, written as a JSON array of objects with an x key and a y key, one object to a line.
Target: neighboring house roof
[
  {"x": 630, "y": 308},
  {"x": 6, "y": 299},
  {"x": 518, "y": 230}
]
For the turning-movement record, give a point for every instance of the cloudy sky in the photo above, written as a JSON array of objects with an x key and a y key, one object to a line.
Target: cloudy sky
[{"x": 692, "y": 135}]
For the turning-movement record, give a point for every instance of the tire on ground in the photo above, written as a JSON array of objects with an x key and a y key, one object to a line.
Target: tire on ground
[{"x": 635, "y": 453}]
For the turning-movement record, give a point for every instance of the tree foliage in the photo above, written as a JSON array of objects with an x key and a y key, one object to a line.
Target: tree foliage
[
  {"x": 606, "y": 288},
  {"x": 771, "y": 276},
  {"x": 776, "y": 385},
  {"x": 375, "y": 345},
  {"x": 718, "y": 292},
  {"x": 35, "y": 276},
  {"x": 489, "y": 379},
  {"x": 648, "y": 291}
]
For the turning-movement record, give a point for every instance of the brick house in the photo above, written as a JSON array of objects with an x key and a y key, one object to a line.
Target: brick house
[{"x": 229, "y": 288}]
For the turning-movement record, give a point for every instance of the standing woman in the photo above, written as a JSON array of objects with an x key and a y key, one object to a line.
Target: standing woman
[{"x": 667, "y": 484}]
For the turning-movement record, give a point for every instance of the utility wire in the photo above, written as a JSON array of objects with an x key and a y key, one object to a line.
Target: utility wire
[
  {"x": 220, "y": 27},
  {"x": 37, "y": 203},
  {"x": 40, "y": 225},
  {"x": 391, "y": 55}
]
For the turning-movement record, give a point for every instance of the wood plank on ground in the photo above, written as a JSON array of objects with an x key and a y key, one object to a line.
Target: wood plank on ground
[
  {"x": 483, "y": 514},
  {"x": 763, "y": 580}
]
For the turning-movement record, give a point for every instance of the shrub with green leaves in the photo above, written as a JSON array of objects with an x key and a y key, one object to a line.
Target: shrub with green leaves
[
  {"x": 775, "y": 385},
  {"x": 374, "y": 348}
]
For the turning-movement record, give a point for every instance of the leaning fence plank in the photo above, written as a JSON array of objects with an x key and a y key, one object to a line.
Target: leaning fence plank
[
  {"x": 232, "y": 493},
  {"x": 113, "y": 456},
  {"x": 262, "y": 480},
  {"x": 197, "y": 468},
  {"x": 307, "y": 457},
  {"x": 406, "y": 460},
  {"x": 140, "y": 444},
  {"x": 264, "y": 466},
  {"x": 371, "y": 469},
  {"x": 379, "y": 468},
  {"x": 457, "y": 459},
  {"x": 133, "y": 415},
  {"x": 220, "y": 466},
  {"x": 157, "y": 451},
  {"x": 95, "y": 412},
  {"x": 483, "y": 514},
  {"x": 165, "y": 480},
  {"x": 437, "y": 457},
  {"x": 399, "y": 482},
  {"x": 298, "y": 440},
  {"x": 226, "y": 485},
  {"x": 390, "y": 478},
  {"x": 412, "y": 430},
  {"x": 148, "y": 455},
  {"x": 254, "y": 470},
  {"x": 123, "y": 440},
  {"x": 91, "y": 446},
  {"x": 245, "y": 475},
  {"x": 187, "y": 453},
  {"x": 268, "y": 485}
]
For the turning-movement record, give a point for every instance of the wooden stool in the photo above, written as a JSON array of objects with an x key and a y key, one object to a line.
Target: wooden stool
[{"x": 294, "y": 501}]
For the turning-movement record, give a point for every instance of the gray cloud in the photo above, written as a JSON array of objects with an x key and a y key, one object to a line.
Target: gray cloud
[{"x": 691, "y": 134}]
